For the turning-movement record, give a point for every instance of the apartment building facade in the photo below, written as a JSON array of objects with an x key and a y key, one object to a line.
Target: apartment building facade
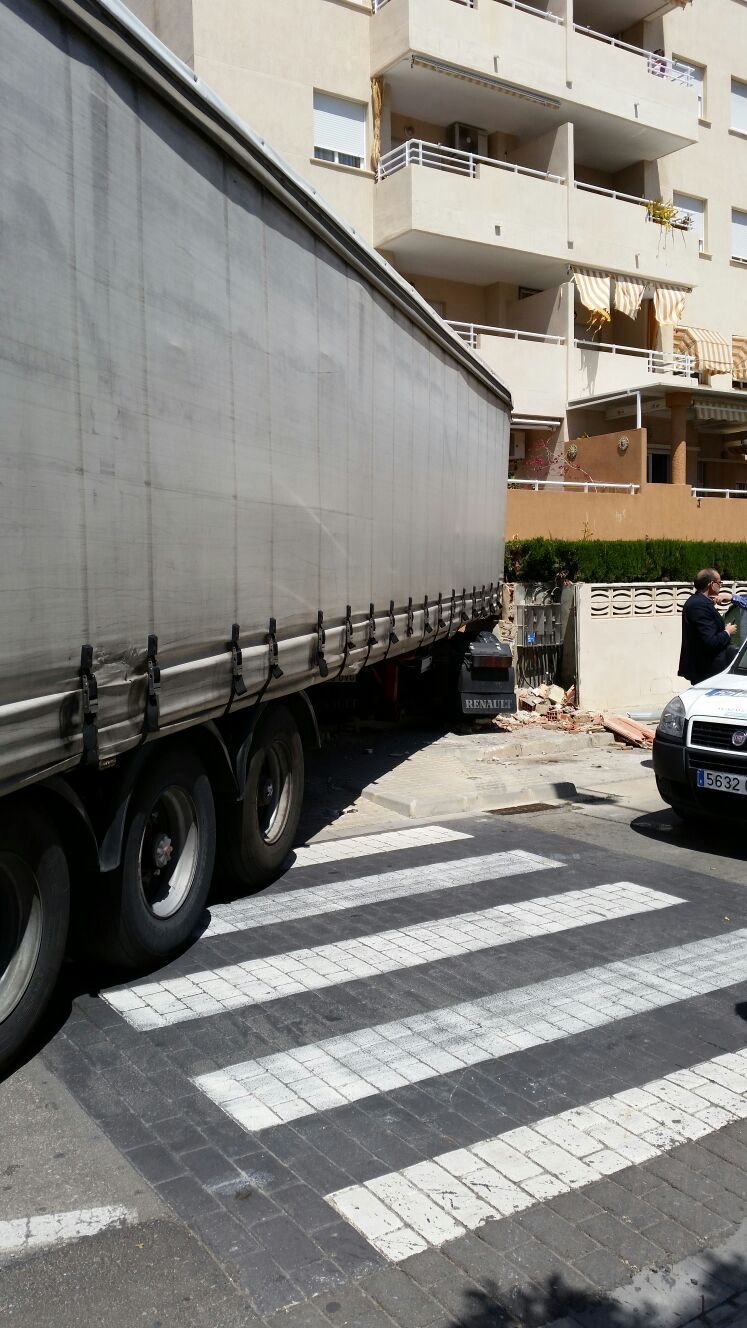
[{"x": 566, "y": 182}]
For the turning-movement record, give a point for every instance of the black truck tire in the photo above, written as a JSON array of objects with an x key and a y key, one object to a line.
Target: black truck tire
[
  {"x": 34, "y": 916},
  {"x": 260, "y": 829},
  {"x": 151, "y": 905}
]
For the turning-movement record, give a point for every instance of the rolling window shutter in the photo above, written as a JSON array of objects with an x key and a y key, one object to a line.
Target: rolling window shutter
[
  {"x": 339, "y": 126},
  {"x": 739, "y": 105},
  {"x": 738, "y": 234},
  {"x": 696, "y": 208}
]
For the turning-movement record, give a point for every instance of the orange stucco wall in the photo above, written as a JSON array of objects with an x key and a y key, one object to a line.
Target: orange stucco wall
[{"x": 659, "y": 511}]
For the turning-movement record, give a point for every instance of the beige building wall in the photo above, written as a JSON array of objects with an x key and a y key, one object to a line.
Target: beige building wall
[
  {"x": 493, "y": 247},
  {"x": 712, "y": 33}
]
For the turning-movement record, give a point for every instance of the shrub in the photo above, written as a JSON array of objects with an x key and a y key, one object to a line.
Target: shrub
[{"x": 621, "y": 560}]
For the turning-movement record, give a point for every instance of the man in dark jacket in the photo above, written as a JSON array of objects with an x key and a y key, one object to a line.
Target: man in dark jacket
[{"x": 706, "y": 641}]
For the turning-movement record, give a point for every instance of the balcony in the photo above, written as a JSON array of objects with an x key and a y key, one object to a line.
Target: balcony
[
  {"x": 510, "y": 66},
  {"x": 532, "y": 364},
  {"x": 483, "y": 220},
  {"x": 601, "y": 369},
  {"x": 614, "y": 231}
]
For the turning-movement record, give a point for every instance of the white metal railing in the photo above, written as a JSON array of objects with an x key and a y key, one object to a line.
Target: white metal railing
[
  {"x": 416, "y": 152},
  {"x": 376, "y": 5},
  {"x": 719, "y": 493},
  {"x": 657, "y": 361},
  {"x": 529, "y": 9},
  {"x": 469, "y": 332},
  {"x": 587, "y": 486},
  {"x": 681, "y": 218},
  {"x": 675, "y": 71}
]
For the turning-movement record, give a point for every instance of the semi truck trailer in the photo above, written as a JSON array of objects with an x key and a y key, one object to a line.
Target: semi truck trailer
[{"x": 240, "y": 458}]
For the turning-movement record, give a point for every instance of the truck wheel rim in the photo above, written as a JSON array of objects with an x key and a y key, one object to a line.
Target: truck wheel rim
[
  {"x": 169, "y": 852},
  {"x": 21, "y": 928},
  {"x": 274, "y": 792}
]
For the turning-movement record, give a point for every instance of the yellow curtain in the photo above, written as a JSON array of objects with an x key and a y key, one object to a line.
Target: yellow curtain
[{"x": 377, "y": 101}]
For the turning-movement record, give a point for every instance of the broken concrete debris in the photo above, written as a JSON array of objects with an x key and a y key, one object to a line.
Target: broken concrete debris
[{"x": 552, "y": 707}]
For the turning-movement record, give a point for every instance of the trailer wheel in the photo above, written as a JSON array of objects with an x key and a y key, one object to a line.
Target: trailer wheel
[
  {"x": 260, "y": 830},
  {"x": 34, "y": 914},
  {"x": 154, "y": 900}
]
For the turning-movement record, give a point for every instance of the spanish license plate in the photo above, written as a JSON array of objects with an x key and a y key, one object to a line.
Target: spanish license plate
[{"x": 718, "y": 779}]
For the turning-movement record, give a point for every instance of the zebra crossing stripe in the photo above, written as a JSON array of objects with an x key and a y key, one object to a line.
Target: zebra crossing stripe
[
  {"x": 406, "y": 1212},
  {"x": 363, "y": 846},
  {"x": 20, "y": 1235},
  {"x": 321, "y": 1076},
  {"x": 213, "y": 991},
  {"x": 264, "y": 910}
]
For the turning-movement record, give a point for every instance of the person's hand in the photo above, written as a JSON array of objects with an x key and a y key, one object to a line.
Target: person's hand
[
  {"x": 724, "y": 598},
  {"x": 731, "y": 628}
]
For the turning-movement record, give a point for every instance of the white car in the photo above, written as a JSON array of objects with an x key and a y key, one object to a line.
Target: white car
[{"x": 700, "y": 748}]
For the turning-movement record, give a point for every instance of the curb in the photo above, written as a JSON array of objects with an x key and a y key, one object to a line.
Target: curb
[{"x": 422, "y": 807}]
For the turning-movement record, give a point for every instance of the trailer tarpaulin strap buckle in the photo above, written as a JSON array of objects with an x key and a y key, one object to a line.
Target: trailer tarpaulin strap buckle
[
  {"x": 427, "y": 629},
  {"x": 348, "y": 642},
  {"x": 393, "y": 638},
  {"x": 371, "y": 640},
  {"x": 272, "y": 641},
  {"x": 238, "y": 686},
  {"x": 90, "y": 690},
  {"x": 440, "y": 613},
  {"x": 152, "y": 705},
  {"x": 321, "y": 639},
  {"x": 474, "y": 602},
  {"x": 410, "y": 618},
  {"x": 463, "y": 616}
]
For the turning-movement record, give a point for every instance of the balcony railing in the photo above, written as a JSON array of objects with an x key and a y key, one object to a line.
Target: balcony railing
[
  {"x": 680, "y": 219},
  {"x": 719, "y": 493},
  {"x": 586, "y": 486},
  {"x": 657, "y": 361},
  {"x": 416, "y": 152},
  {"x": 529, "y": 9},
  {"x": 376, "y": 5},
  {"x": 675, "y": 71},
  {"x": 469, "y": 332}
]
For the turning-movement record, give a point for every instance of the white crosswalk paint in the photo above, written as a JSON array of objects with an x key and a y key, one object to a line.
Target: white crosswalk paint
[
  {"x": 406, "y": 1212},
  {"x": 160, "y": 1004},
  {"x": 264, "y": 910},
  {"x": 20, "y": 1235},
  {"x": 364, "y": 846},
  {"x": 323, "y": 1075}
]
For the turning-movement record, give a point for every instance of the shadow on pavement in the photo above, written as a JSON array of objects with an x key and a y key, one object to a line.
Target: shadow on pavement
[
  {"x": 351, "y": 759},
  {"x": 717, "y": 1283},
  {"x": 717, "y": 837}
]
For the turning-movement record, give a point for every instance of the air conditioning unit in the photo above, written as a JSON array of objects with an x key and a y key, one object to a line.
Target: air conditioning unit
[
  {"x": 468, "y": 138},
  {"x": 517, "y": 445}
]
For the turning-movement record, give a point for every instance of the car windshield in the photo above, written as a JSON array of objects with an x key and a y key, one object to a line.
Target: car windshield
[{"x": 740, "y": 663}]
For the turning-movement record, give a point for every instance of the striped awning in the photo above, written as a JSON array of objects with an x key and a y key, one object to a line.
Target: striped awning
[
  {"x": 629, "y": 293},
  {"x": 594, "y": 291},
  {"x": 723, "y": 411},
  {"x": 739, "y": 357},
  {"x": 669, "y": 302},
  {"x": 711, "y": 352}
]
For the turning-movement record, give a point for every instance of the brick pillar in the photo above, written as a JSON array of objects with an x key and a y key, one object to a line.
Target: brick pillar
[{"x": 679, "y": 404}]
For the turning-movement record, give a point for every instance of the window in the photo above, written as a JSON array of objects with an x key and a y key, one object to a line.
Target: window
[
  {"x": 339, "y": 130},
  {"x": 696, "y": 209},
  {"x": 739, "y": 106},
  {"x": 698, "y": 76},
  {"x": 739, "y": 234}
]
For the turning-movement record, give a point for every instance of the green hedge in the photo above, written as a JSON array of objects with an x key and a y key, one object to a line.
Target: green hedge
[{"x": 621, "y": 560}]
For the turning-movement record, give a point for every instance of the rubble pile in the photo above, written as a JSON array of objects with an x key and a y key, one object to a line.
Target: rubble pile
[{"x": 549, "y": 706}]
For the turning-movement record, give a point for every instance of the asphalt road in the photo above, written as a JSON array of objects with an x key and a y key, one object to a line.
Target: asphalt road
[{"x": 485, "y": 1074}]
